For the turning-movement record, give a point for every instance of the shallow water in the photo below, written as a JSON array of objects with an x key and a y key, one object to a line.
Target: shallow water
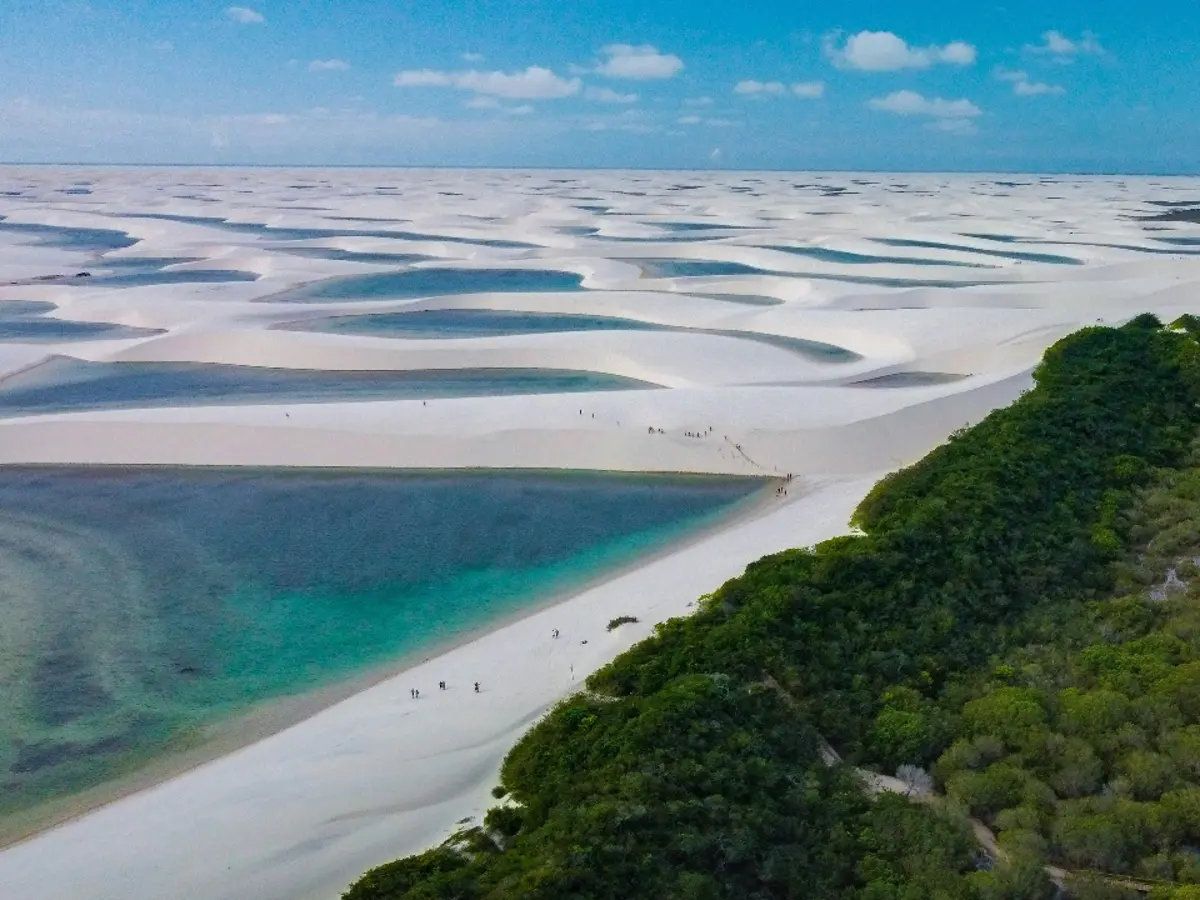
[
  {"x": 477, "y": 323},
  {"x": 26, "y": 322},
  {"x": 63, "y": 384},
  {"x": 284, "y": 233},
  {"x": 91, "y": 240},
  {"x": 859, "y": 259},
  {"x": 689, "y": 268},
  {"x": 140, "y": 605},
  {"x": 1051, "y": 258},
  {"x": 468, "y": 323},
  {"x": 437, "y": 282}
]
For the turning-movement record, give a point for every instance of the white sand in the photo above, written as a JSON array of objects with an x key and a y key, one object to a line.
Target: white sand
[{"x": 301, "y": 813}]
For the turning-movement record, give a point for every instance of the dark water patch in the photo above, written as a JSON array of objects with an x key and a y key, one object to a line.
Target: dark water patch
[
  {"x": 743, "y": 299},
  {"x": 333, "y": 253},
  {"x": 699, "y": 226},
  {"x": 1051, "y": 258},
  {"x": 143, "y": 604},
  {"x": 88, "y": 240},
  {"x": 578, "y": 230},
  {"x": 1175, "y": 203},
  {"x": 440, "y": 282},
  {"x": 909, "y": 379},
  {"x": 846, "y": 258},
  {"x": 998, "y": 238},
  {"x": 1183, "y": 214},
  {"x": 689, "y": 268},
  {"x": 65, "y": 385},
  {"x": 1181, "y": 241}
]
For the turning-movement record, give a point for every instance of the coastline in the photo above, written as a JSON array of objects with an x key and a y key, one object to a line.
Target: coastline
[
  {"x": 222, "y": 737},
  {"x": 375, "y": 776}
]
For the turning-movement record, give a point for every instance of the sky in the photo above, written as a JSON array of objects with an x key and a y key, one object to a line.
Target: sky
[{"x": 926, "y": 85}]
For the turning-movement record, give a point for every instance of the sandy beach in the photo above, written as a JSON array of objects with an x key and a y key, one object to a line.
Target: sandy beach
[{"x": 859, "y": 333}]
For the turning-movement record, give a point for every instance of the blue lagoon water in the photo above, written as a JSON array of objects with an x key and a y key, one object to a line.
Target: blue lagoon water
[
  {"x": 1050, "y": 258},
  {"x": 89, "y": 240},
  {"x": 63, "y": 384},
  {"x": 433, "y": 324},
  {"x": 25, "y": 322},
  {"x": 413, "y": 284},
  {"x": 142, "y": 604}
]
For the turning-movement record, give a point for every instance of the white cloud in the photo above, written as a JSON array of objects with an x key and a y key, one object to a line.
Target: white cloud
[
  {"x": 162, "y": 46},
  {"x": 639, "y": 62},
  {"x": 710, "y": 122},
  {"x": 328, "y": 65},
  {"x": 1023, "y": 86},
  {"x": 1056, "y": 44},
  {"x": 483, "y": 103},
  {"x": 535, "y": 83},
  {"x": 910, "y": 103},
  {"x": 954, "y": 126},
  {"x": 883, "y": 51},
  {"x": 473, "y": 58},
  {"x": 751, "y": 88},
  {"x": 716, "y": 155},
  {"x": 608, "y": 95},
  {"x": 698, "y": 101},
  {"x": 1036, "y": 88},
  {"x": 808, "y": 90},
  {"x": 245, "y": 15}
]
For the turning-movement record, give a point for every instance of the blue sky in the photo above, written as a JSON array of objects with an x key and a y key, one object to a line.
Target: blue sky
[{"x": 1016, "y": 85}]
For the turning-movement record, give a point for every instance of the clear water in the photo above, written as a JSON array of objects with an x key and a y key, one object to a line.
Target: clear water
[
  {"x": 469, "y": 323},
  {"x": 63, "y": 384},
  {"x": 858, "y": 259},
  {"x": 304, "y": 234},
  {"x": 89, "y": 240},
  {"x": 1051, "y": 258},
  {"x": 440, "y": 282},
  {"x": 141, "y": 605},
  {"x": 476, "y": 323},
  {"x": 25, "y": 322},
  {"x": 386, "y": 259},
  {"x": 689, "y": 268}
]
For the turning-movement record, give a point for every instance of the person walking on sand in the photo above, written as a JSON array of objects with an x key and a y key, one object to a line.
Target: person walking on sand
[
  {"x": 477, "y": 687},
  {"x": 441, "y": 685}
]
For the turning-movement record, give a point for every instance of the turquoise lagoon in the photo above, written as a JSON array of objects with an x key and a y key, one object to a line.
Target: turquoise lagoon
[
  {"x": 64, "y": 384},
  {"x": 143, "y": 605}
]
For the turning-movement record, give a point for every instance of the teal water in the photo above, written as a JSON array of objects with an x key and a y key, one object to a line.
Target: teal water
[
  {"x": 25, "y": 322},
  {"x": 91, "y": 240},
  {"x": 1051, "y": 258},
  {"x": 841, "y": 256},
  {"x": 432, "y": 324},
  {"x": 412, "y": 284},
  {"x": 270, "y": 232},
  {"x": 142, "y": 604},
  {"x": 63, "y": 384},
  {"x": 689, "y": 268}
]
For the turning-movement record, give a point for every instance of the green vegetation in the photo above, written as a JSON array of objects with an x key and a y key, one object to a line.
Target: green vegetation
[
  {"x": 992, "y": 621},
  {"x": 616, "y": 623}
]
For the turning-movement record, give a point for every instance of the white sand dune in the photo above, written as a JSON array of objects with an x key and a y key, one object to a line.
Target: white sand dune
[{"x": 300, "y": 813}]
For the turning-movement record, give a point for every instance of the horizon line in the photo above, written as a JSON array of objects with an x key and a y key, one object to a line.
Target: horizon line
[{"x": 1092, "y": 173}]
